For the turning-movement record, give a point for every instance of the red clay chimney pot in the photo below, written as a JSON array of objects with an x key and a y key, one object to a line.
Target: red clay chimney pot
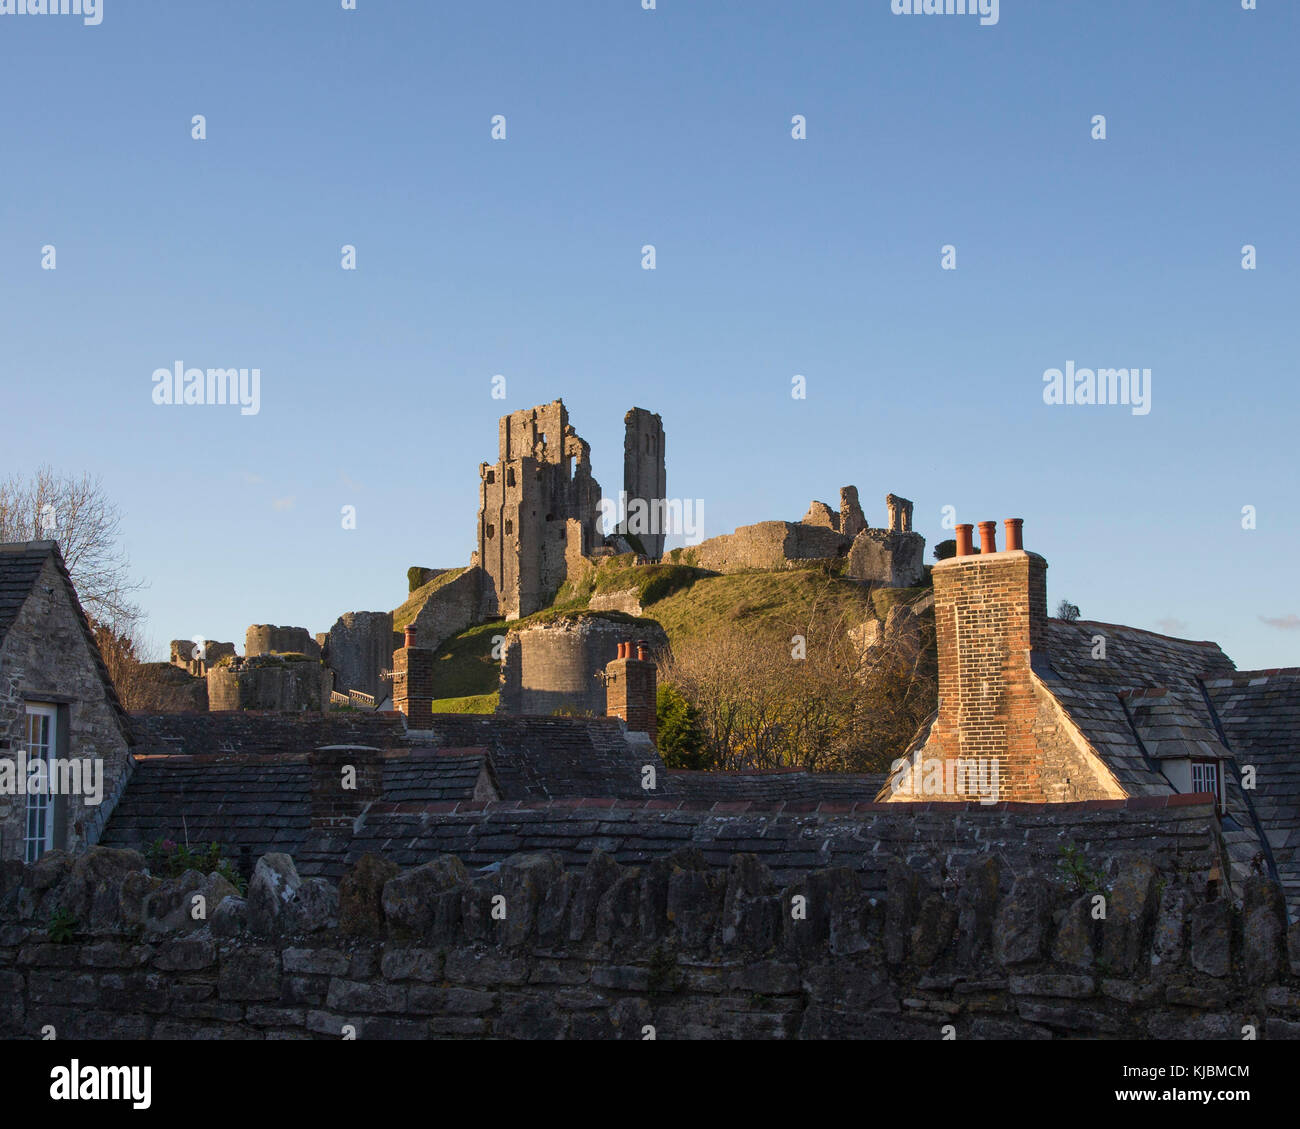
[
  {"x": 410, "y": 635},
  {"x": 964, "y": 546},
  {"x": 1015, "y": 533},
  {"x": 988, "y": 537}
]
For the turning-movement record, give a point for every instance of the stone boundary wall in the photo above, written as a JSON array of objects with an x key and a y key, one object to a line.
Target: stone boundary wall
[{"x": 676, "y": 949}]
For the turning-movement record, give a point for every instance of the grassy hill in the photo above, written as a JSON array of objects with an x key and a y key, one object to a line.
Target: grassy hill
[{"x": 685, "y": 601}]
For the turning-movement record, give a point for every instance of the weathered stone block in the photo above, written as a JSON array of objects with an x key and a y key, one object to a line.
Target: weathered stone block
[
  {"x": 1263, "y": 931},
  {"x": 411, "y": 964},
  {"x": 1210, "y": 926},
  {"x": 353, "y": 996},
  {"x": 1053, "y": 984},
  {"x": 186, "y": 954},
  {"x": 1022, "y": 922},
  {"x": 361, "y": 908},
  {"x": 249, "y": 974},
  {"x": 319, "y": 962}
]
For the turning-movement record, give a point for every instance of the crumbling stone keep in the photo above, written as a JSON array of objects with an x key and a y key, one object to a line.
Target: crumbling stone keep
[{"x": 540, "y": 483}]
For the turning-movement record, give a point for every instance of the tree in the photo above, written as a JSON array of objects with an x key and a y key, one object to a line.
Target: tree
[
  {"x": 682, "y": 742},
  {"x": 1067, "y": 611},
  {"x": 76, "y": 513},
  {"x": 804, "y": 693}
]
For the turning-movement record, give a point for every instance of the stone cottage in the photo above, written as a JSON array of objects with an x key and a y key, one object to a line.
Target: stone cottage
[
  {"x": 65, "y": 742},
  {"x": 1040, "y": 710}
]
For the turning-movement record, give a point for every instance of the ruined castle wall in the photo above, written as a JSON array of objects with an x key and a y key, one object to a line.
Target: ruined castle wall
[
  {"x": 888, "y": 559},
  {"x": 671, "y": 950},
  {"x": 560, "y": 665},
  {"x": 358, "y": 649},
  {"x": 289, "y": 687},
  {"x": 182, "y": 654},
  {"x": 267, "y": 639},
  {"x": 768, "y": 545},
  {"x": 644, "y": 473},
  {"x": 449, "y": 611}
]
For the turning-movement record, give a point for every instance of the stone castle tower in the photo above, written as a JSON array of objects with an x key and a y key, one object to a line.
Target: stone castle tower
[
  {"x": 645, "y": 479},
  {"x": 538, "y": 504}
]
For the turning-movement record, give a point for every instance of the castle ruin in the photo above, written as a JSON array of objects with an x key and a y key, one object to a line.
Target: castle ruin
[
  {"x": 540, "y": 507},
  {"x": 645, "y": 480}
]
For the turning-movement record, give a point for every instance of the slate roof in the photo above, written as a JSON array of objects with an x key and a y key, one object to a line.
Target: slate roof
[
  {"x": 774, "y": 785},
  {"x": 435, "y": 775},
  {"x": 549, "y": 757},
  {"x": 248, "y": 804},
  {"x": 20, "y": 566},
  {"x": 233, "y": 732},
  {"x": 1153, "y": 698},
  {"x": 790, "y": 838},
  {"x": 253, "y": 803},
  {"x": 1171, "y": 726},
  {"x": 1259, "y": 713},
  {"x": 1089, "y": 690}
]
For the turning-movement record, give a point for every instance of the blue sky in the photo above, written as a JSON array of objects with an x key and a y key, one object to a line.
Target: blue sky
[{"x": 775, "y": 257}]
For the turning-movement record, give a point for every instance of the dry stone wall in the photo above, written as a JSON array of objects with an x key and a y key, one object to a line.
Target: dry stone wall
[{"x": 673, "y": 949}]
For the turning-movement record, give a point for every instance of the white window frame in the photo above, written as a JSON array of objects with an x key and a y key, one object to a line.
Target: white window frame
[
  {"x": 38, "y": 814},
  {"x": 1202, "y": 766}
]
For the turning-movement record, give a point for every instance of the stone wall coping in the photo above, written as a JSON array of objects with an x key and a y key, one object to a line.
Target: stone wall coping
[{"x": 798, "y": 807}]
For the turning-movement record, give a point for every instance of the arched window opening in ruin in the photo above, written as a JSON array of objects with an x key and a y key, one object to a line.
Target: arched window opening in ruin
[
  {"x": 510, "y": 528},
  {"x": 510, "y": 476},
  {"x": 491, "y": 477},
  {"x": 491, "y": 531},
  {"x": 542, "y": 437}
]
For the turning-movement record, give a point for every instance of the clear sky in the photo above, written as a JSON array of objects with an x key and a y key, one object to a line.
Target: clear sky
[{"x": 775, "y": 257}]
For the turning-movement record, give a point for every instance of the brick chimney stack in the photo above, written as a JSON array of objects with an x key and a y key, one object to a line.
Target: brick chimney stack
[
  {"x": 345, "y": 780},
  {"x": 631, "y": 683},
  {"x": 413, "y": 682},
  {"x": 990, "y": 614}
]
